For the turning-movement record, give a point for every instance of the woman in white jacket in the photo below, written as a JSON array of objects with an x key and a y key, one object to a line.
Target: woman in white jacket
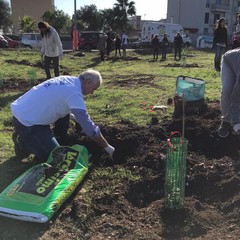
[{"x": 51, "y": 48}]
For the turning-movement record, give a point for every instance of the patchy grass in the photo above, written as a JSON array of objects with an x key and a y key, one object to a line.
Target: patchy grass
[{"x": 124, "y": 200}]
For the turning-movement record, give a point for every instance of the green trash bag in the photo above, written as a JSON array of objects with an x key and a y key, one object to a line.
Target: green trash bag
[
  {"x": 39, "y": 192},
  {"x": 175, "y": 172}
]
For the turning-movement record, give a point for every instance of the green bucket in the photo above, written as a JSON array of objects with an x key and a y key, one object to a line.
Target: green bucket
[{"x": 175, "y": 172}]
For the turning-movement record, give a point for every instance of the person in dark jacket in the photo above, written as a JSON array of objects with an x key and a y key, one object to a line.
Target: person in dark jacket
[
  {"x": 109, "y": 46},
  {"x": 164, "y": 44},
  {"x": 219, "y": 42},
  {"x": 155, "y": 46},
  {"x": 178, "y": 42},
  {"x": 117, "y": 43}
]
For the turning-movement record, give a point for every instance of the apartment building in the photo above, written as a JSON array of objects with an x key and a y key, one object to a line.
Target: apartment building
[
  {"x": 199, "y": 17},
  {"x": 32, "y": 8}
]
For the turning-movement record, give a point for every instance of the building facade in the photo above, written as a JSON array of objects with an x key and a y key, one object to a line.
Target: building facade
[
  {"x": 34, "y": 9},
  {"x": 199, "y": 17}
]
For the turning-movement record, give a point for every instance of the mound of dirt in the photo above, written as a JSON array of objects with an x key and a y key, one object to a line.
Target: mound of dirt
[{"x": 135, "y": 209}]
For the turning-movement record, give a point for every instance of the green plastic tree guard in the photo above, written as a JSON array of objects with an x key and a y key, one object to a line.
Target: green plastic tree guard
[{"x": 175, "y": 172}]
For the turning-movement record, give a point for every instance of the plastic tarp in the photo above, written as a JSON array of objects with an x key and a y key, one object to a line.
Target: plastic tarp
[{"x": 39, "y": 192}]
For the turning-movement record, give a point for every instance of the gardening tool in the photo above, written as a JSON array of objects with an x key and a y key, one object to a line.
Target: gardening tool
[
  {"x": 175, "y": 169},
  {"x": 159, "y": 106}
]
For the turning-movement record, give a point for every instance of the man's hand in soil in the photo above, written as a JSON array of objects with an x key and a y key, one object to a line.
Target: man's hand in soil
[{"x": 110, "y": 150}]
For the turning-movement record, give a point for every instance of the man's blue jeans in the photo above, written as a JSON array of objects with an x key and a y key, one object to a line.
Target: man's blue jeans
[
  {"x": 39, "y": 139},
  {"x": 218, "y": 55}
]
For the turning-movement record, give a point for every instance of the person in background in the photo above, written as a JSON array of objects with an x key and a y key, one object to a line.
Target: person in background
[
  {"x": 51, "y": 48},
  {"x": 50, "y": 104},
  {"x": 219, "y": 42},
  {"x": 109, "y": 45},
  {"x": 178, "y": 42},
  {"x": 237, "y": 30},
  {"x": 155, "y": 45},
  {"x": 117, "y": 43},
  {"x": 230, "y": 99},
  {"x": 102, "y": 45},
  {"x": 125, "y": 42},
  {"x": 164, "y": 44}
]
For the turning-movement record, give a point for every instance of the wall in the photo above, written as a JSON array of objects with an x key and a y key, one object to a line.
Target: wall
[{"x": 32, "y": 8}]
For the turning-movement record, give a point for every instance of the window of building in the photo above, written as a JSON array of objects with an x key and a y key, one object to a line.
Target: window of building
[
  {"x": 224, "y": 2},
  {"x": 216, "y": 17},
  {"x": 206, "y": 19},
  {"x": 207, "y": 3}
]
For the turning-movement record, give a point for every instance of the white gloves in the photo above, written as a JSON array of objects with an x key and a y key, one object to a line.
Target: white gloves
[
  {"x": 236, "y": 128},
  {"x": 110, "y": 150},
  {"x": 72, "y": 116}
]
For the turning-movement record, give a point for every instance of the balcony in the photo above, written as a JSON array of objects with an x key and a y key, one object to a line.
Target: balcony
[
  {"x": 236, "y": 10},
  {"x": 220, "y": 7}
]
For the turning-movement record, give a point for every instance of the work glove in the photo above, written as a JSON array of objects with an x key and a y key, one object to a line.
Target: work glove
[
  {"x": 110, "y": 150},
  {"x": 236, "y": 128},
  {"x": 72, "y": 117}
]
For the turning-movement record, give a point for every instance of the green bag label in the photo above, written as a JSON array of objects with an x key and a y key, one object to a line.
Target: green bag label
[
  {"x": 39, "y": 192},
  {"x": 43, "y": 180}
]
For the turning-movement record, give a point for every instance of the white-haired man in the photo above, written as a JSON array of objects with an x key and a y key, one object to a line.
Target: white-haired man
[{"x": 52, "y": 102}]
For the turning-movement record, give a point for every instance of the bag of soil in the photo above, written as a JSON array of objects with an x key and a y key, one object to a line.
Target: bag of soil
[{"x": 39, "y": 192}]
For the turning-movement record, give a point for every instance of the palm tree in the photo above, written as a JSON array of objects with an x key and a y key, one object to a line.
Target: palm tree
[
  {"x": 27, "y": 24},
  {"x": 122, "y": 9},
  {"x": 107, "y": 18},
  {"x": 5, "y": 16}
]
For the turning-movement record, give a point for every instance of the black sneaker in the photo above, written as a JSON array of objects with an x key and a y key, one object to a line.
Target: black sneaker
[
  {"x": 223, "y": 130},
  {"x": 20, "y": 152}
]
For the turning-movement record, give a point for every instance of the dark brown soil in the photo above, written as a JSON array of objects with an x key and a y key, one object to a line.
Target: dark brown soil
[{"x": 135, "y": 209}]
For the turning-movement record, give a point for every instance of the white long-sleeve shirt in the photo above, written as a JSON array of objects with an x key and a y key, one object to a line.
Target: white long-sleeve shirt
[
  {"x": 45, "y": 103},
  {"x": 51, "y": 44}
]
